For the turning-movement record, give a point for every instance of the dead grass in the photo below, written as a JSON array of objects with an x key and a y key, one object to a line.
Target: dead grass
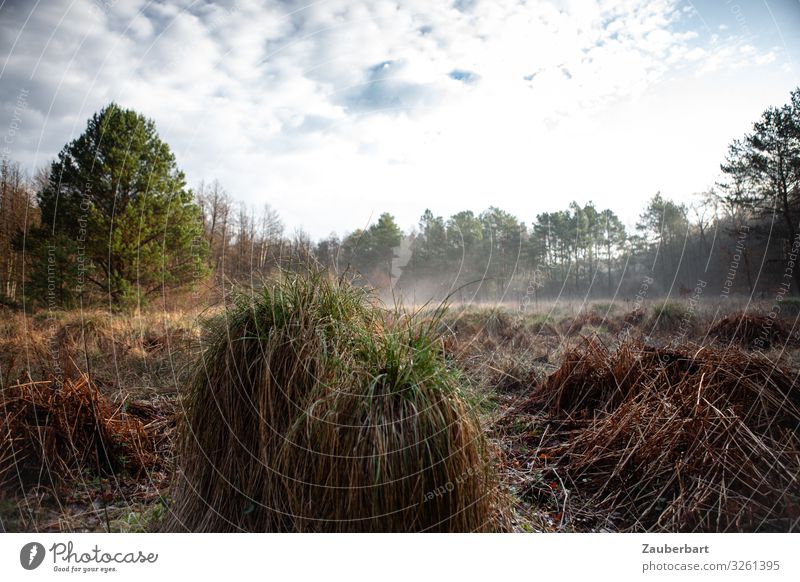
[
  {"x": 634, "y": 317},
  {"x": 140, "y": 352},
  {"x": 670, "y": 316},
  {"x": 690, "y": 439},
  {"x": 314, "y": 410},
  {"x": 750, "y": 330},
  {"x": 52, "y": 434},
  {"x": 574, "y": 326},
  {"x": 624, "y": 436}
]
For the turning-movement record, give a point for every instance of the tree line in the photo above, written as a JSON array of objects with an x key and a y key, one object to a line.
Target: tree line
[{"x": 112, "y": 220}]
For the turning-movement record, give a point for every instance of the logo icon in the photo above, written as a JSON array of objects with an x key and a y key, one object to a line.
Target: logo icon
[{"x": 31, "y": 555}]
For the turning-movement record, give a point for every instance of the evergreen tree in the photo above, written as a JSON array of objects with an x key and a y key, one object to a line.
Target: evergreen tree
[
  {"x": 763, "y": 171},
  {"x": 118, "y": 206}
]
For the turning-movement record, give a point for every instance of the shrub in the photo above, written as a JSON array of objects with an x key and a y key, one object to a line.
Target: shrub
[
  {"x": 312, "y": 409},
  {"x": 677, "y": 439}
]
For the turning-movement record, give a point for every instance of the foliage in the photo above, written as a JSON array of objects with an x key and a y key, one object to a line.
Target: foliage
[
  {"x": 371, "y": 251},
  {"x": 312, "y": 409},
  {"x": 118, "y": 208},
  {"x": 763, "y": 171}
]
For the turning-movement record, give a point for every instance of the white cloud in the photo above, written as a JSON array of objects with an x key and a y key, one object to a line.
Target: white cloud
[{"x": 337, "y": 109}]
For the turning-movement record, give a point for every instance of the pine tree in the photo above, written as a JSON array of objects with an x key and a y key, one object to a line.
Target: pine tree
[{"x": 117, "y": 206}]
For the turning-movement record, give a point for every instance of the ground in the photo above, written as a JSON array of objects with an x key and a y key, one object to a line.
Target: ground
[{"x": 511, "y": 356}]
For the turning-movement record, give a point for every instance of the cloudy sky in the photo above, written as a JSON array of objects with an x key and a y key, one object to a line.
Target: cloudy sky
[{"x": 334, "y": 111}]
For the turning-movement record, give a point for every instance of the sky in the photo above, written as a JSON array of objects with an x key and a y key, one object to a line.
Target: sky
[{"x": 335, "y": 111}]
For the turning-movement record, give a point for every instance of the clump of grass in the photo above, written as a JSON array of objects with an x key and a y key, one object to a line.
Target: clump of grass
[
  {"x": 677, "y": 440},
  {"x": 604, "y": 308},
  {"x": 366, "y": 468},
  {"x": 574, "y": 326},
  {"x": 49, "y": 434},
  {"x": 513, "y": 370},
  {"x": 750, "y": 331},
  {"x": 669, "y": 316},
  {"x": 492, "y": 322},
  {"x": 541, "y": 324},
  {"x": 313, "y": 409}
]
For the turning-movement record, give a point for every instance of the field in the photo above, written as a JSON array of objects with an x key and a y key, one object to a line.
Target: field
[{"x": 599, "y": 416}]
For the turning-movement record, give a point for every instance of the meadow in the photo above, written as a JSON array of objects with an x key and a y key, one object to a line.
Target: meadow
[{"x": 566, "y": 416}]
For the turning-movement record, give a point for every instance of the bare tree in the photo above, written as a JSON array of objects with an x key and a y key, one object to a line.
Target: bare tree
[
  {"x": 215, "y": 205},
  {"x": 17, "y": 214}
]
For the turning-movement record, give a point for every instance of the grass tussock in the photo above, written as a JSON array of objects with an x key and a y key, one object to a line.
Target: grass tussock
[
  {"x": 677, "y": 440},
  {"x": 750, "y": 330},
  {"x": 312, "y": 409},
  {"x": 634, "y": 317},
  {"x": 574, "y": 326},
  {"x": 52, "y": 434},
  {"x": 790, "y": 306},
  {"x": 669, "y": 316},
  {"x": 487, "y": 326},
  {"x": 513, "y": 371}
]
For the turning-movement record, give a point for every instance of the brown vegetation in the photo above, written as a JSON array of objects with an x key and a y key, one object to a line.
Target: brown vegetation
[
  {"x": 582, "y": 432},
  {"x": 52, "y": 433},
  {"x": 311, "y": 410},
  {"x": 750, "y": 330},
  {"x": 690, "y": 439}
]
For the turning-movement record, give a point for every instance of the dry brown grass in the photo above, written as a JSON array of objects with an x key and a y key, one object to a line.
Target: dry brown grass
[
  {"x": 690, "y": 439},
  {"x": 51, "y": 434},
  {"x": 750, "y": 330},
  {"x": 634, "y": 317},
  {"x": 312, "y": 419},
  {"x": 574, "y": 326},
  {"x": 136, "y": 352},
  {"x": 314, "y": 410},
  {"x": 374, "y": 459}
]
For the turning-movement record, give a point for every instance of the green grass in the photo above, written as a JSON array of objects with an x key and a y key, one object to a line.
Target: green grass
[
  {"x": 141, "y": 520},
  {"x": 313, "y": 408}
]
